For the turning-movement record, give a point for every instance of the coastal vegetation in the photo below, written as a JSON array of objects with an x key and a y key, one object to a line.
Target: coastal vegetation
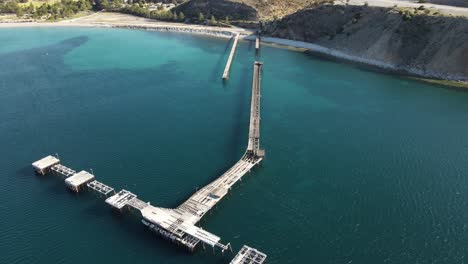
[
  {"x": 142, "y": 10},
  {"x": 46, "y": 10},
  {"x": 61, "y": 9}
]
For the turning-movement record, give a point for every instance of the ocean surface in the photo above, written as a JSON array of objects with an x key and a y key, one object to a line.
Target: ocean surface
[{"x": 360, "y": 167}]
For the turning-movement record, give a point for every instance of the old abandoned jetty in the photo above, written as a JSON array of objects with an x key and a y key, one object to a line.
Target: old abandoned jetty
[
  {"x": 179, "y": 225},
  {"x": 231, "y": 57}
]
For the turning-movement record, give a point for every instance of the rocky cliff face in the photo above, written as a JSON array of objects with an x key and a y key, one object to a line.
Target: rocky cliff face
[
  {"x": 218, "y": 8},
  {"x": 246, "y": 10},
  {"x": 416, "y": 42}
]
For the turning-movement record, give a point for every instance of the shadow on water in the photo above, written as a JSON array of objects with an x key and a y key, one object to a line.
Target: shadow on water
[
  {"x": 97, "y": 208},
  {"x": 130, "y": 226},
  {"x": 250, "y": 46},
  {"x": 58, "y": 188},
  {"x": 239, "y": 128},
  {"x": 34, "y": 59},
  {"x": 26, "y": 171}
]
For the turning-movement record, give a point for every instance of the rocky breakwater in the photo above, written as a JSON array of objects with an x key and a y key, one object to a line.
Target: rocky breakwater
[{"x": 211, "y": 31}]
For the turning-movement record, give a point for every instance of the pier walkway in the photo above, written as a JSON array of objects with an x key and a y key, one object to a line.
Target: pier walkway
[
  {"x": 178, "y": 225},
  {"x": 248, "y": 255},
  {"x": 231, "y": 57},
  {"x": 207, "y": 197},
  {"x": 257, "y": 44},
  {"x": 100, "y": 188}
]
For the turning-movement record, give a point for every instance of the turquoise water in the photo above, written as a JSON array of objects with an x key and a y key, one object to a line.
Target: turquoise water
[{"x": 360, "y": 168}]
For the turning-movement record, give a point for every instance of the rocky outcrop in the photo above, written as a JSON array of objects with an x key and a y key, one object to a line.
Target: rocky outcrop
[
  {"x": 245, "y": 10},
  {"x": 427, "y": 45}
]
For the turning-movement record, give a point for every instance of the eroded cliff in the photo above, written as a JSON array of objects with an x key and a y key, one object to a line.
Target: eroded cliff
[{"x": 412, "y": 40}]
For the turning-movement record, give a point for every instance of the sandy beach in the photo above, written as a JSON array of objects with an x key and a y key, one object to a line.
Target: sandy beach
[{"x": 118, "y": 20}]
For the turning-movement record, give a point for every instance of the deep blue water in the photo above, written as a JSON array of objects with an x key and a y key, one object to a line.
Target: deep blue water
[{"x": 361, "y": 167}]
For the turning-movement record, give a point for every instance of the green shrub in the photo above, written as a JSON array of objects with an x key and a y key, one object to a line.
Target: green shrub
[
  {"x": 201, "y": 17},
  {"x": 213, "y": 21}
]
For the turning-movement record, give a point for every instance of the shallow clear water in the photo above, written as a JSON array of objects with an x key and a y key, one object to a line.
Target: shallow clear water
[{"x": 361, "y": 167}]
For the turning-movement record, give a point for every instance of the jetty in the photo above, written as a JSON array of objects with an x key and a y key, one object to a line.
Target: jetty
[
  {"x": 231, "y": 57},
  {"x": 179, "y": 224},
  {"x": 257, "y": 44}
]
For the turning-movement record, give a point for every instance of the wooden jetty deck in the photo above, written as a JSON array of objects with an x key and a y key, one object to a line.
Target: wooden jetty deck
[
  {"x": 231, "y": 57},
  {"x": 178, "y": 225}
]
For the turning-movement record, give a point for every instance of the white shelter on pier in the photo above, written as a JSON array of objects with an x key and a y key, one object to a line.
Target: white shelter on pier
[
  {"x": 43, "y": 165},
  {"x": 79, "y": 179}
]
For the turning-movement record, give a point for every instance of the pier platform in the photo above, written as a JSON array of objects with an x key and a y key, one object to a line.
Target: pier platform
[
  {"x": 78, "y": 180},
  {"x": 43, "y": 165},
  {"x": 257, "y": 44},
  {"x": 231, "y": 57}
]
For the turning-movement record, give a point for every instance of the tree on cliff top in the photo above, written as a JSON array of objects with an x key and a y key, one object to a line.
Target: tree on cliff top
[
  {"x": 212, "y": 21},
  {"x": 181, "y": 17},
  {"x": 201, "y": 17}
]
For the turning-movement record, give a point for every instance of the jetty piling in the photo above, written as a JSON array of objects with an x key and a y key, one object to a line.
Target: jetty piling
[
  {"x": 231, "y": 57},
  {"x": 179, "y": 225}
]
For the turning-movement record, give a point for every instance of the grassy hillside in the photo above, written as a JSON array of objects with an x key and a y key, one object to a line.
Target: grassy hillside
[
  {"x": 37, "y": 3},
  {"x": 46, "y": 10}
]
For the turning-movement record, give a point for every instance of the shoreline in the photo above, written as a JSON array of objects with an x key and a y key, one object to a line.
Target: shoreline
[
  {"x": 314, "y": 49},
  {"x": 249, "y": 35}
]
